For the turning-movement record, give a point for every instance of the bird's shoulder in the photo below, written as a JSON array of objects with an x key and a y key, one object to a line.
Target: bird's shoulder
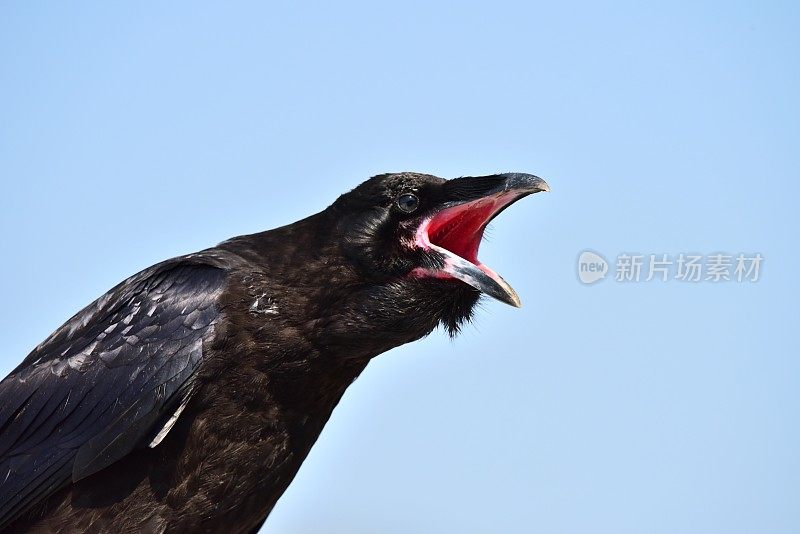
[{"x": 179, "y": 275}]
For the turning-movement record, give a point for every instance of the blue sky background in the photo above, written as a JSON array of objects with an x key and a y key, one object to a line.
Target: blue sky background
[{"x": 134, "y": 132}]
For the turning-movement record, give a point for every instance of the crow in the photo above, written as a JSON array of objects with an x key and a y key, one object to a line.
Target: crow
[{"x": 186, "y": 397}]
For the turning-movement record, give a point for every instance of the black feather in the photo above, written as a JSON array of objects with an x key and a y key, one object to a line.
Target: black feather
[{"x": 118, "y": 374}]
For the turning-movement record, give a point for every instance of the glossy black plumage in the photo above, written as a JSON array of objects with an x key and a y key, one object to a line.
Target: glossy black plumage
[
  {"x": 104, "y": 380},
  {"x": 186, "y": 398}
]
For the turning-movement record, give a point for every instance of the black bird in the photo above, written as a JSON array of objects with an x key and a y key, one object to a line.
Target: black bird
[{"x": 186, "y": 397}]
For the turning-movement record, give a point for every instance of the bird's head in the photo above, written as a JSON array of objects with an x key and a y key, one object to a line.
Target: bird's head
[{"x": 423, "y": 231}]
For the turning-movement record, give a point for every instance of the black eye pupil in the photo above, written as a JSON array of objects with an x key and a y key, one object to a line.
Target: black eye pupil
[{"x": 408, "y": 202}]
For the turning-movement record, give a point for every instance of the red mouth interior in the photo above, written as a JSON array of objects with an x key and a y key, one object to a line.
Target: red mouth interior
[{"x": 460, "y": 229}]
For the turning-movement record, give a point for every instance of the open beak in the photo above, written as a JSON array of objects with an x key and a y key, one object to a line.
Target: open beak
[{"x": 454, "y": 232}]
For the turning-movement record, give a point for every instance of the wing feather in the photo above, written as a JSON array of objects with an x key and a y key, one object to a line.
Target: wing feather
[{"x": 105, "y": 382}]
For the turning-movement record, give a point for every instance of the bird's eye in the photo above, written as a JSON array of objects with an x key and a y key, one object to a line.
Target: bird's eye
[{"x": 407, "y": 202}]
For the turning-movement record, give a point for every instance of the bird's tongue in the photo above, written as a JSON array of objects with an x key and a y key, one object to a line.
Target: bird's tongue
[{"x": 456, "y": 233}]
